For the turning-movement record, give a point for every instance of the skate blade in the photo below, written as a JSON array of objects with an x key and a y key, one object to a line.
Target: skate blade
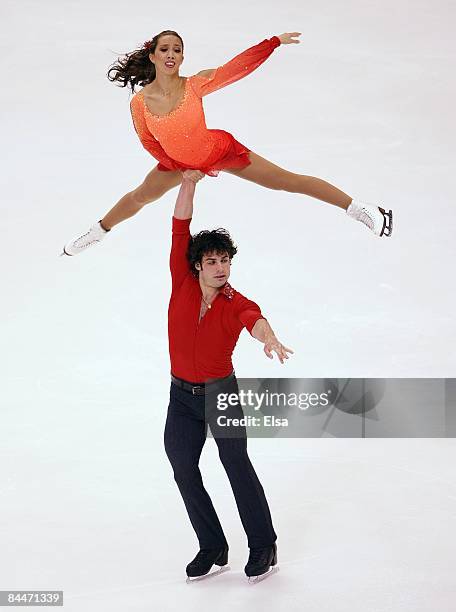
[
  {"x": 63, "y": 253},
  {"x": 387, "y": 229},
  {"x": 223, "y": 569},
  {"x": 255, "y": 579}
]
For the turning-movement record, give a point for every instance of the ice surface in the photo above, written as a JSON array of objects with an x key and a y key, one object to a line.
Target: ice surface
[{"x": 88, "y": 503}]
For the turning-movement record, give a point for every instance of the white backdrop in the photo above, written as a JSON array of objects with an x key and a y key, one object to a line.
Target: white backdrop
[{"x": 88, "y": 501}]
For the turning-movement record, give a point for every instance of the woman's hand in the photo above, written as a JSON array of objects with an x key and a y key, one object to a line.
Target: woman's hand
[
  {"x": 193, "y": 175},
  {"x": 289, "y": 37}
]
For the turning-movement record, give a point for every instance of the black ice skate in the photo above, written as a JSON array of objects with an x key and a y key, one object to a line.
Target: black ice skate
[
  {"x": 199, "y": 568},
  {"x": 262, "y": 563}
]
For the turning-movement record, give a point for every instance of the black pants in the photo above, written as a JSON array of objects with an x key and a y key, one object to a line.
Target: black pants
[{"x": 185, "y": 434}]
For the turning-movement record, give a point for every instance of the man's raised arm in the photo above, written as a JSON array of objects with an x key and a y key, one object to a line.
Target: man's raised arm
[
  {"x": 183, "y": 211},
  {"x": 184, "y": 203}
]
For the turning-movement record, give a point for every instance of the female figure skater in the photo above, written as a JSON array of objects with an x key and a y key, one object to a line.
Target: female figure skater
[{"x": 168, "y": 117}]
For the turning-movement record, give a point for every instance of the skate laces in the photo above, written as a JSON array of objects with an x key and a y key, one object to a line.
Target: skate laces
[
  {"x": 81, "y": 238},
  {"x": 78, "y": 241},
  {"x": 365, "y": 217}
]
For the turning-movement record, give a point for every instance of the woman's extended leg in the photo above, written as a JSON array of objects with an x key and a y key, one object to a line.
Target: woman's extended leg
[
  {"x": 267, "y": 174},
  {"x": 156, "y": 184}
]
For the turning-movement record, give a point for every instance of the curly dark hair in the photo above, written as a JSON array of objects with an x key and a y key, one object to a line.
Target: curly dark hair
[
  {"x": 135, "y": 67},
  {"x": 209, "y": 241}
]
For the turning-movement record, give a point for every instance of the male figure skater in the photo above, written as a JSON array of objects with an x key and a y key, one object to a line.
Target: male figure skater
[{"x": 205, "y": 318}]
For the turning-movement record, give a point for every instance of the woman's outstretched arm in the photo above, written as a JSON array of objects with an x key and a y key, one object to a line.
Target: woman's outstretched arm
[{"x": 207, "y": 81}]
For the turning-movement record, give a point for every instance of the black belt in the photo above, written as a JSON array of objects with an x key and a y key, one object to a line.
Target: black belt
[{"x": 200, "y": 388}]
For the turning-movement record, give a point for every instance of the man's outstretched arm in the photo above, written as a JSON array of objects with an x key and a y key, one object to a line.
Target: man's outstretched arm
[
  {"x": 184, "y": 203},
  {"x": 263, "y": 332}
]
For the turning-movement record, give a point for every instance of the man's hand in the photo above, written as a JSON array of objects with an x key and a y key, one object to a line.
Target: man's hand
[
  {"x": 263, "y": 332},
  {"x": 272, "y": 344},
  {"x": 193, "y": 175},
  {"x": 289, "y": 37}
]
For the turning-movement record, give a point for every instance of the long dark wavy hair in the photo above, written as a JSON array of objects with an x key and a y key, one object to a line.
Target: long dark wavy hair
[
  {"x": 209, "y": 241},
  {"x": 135, "y": 68}
]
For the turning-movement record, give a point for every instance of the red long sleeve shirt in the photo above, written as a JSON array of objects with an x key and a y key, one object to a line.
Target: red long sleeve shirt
[{"x": 200, "y": 350}]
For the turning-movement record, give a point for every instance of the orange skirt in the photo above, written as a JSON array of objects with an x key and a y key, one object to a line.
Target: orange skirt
[{"x": 227, "y": 153}]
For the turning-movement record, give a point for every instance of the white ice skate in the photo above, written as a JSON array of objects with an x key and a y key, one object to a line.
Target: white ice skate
[
  {"x": 95, "y": 235},
  {"x": 374, "y": 217}
]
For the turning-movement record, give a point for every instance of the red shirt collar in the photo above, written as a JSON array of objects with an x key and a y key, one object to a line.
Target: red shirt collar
[{"x": 228, "y": 291}]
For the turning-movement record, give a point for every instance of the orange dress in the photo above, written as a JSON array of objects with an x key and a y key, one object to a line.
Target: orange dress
[{"x": 180, "y": 139}]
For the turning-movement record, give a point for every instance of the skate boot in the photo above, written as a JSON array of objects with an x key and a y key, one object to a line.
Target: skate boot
[
  {"x": 95, "y": 234},
  {"x": 262, "y": 562},
  {"x": 204, "y": 560},
  {"x": 376, "y": 218}
]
